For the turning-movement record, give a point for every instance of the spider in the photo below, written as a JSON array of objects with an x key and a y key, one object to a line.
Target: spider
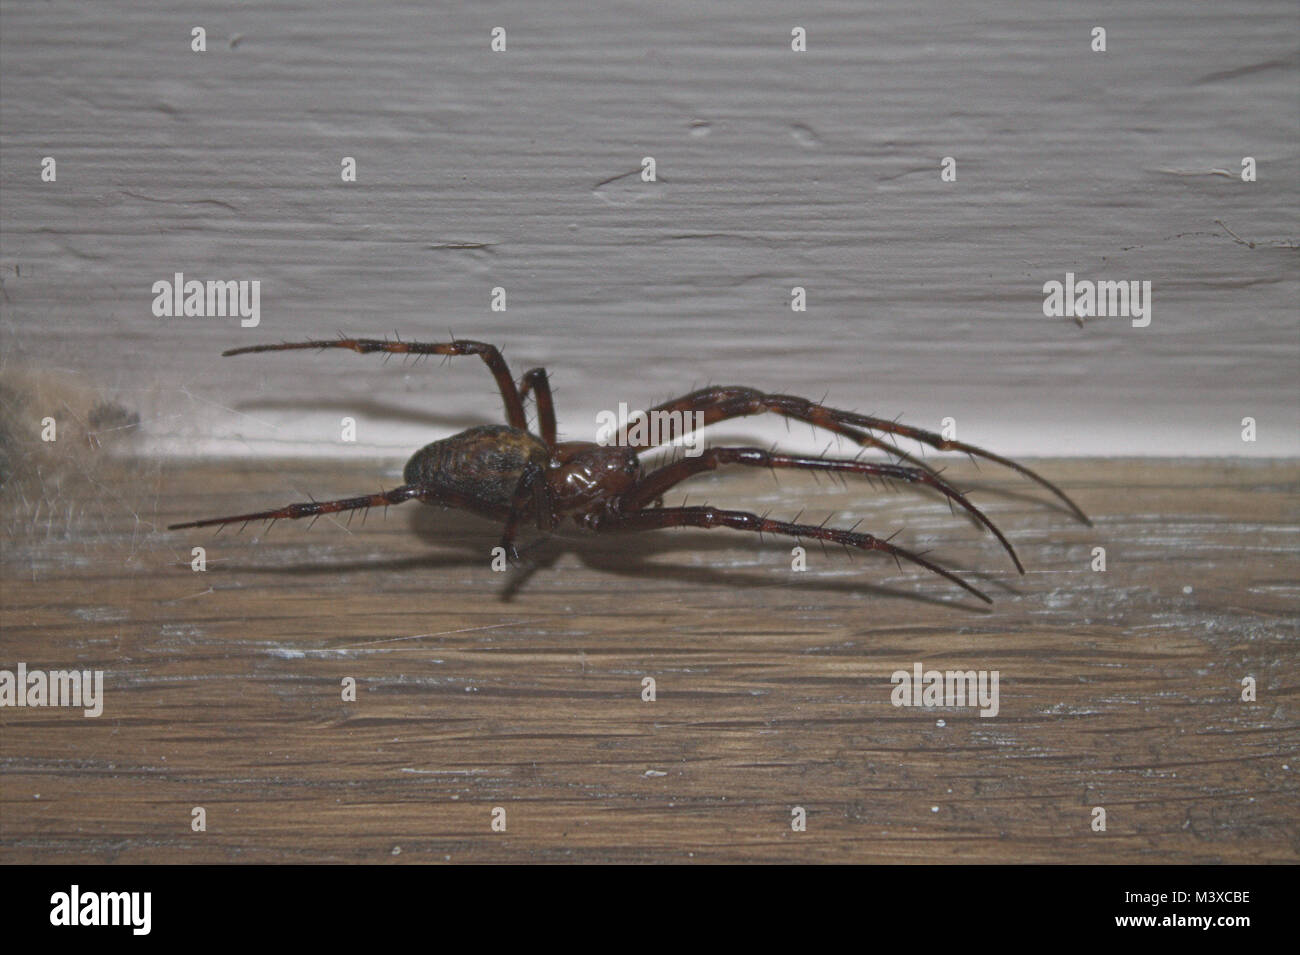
[{"x": 509, "y": 474}]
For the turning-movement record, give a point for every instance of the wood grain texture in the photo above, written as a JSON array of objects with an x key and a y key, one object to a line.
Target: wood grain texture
[{"x": 1118, "y": 689}]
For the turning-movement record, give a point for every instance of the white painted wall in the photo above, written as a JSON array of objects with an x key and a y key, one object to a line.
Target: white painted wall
[{"x": 776, "y": 169}]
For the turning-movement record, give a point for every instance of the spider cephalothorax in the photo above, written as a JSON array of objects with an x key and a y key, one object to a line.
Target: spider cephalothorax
[{"x": 509, "y": 474}]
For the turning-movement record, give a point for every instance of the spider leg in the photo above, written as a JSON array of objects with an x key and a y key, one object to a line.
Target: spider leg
[
  {"x": 654, "y": 484},
  {"x": 489, "y": 353},
  {"x": 531, "y": 490},
  {"x": 747, "y": 521},
  {"x": 536, "y": 381},
  {"x": 312, "y": 508},
  {"x": 720, "y": 404},
  {"x": 725, "y": 402}
]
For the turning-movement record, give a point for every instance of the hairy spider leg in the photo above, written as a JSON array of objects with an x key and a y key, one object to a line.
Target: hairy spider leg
[
  {"x": 397, "y": 495},
  {"x": 657, "y": 482},
  {"x": 536, "y": 380},
  {"x": 725, "y": 402},
  {"x": 746, "y": 521},
  {"x": 489, "y": 353}
]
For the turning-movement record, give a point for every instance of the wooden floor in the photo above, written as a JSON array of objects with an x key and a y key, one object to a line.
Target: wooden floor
[{"x": 1119, "y": 689}]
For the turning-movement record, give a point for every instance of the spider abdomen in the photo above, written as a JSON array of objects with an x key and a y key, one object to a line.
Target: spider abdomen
[{"x": 483, "y": 463}]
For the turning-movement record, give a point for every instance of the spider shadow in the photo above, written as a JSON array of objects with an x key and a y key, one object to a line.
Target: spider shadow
[
  {"x": 471, "y": 539},
  {"x": 612, "y": 554},
  {"x": 600, "y": 556},
  {"x": 1027, "y": 496},
  {"x": 367, "y": 408}
]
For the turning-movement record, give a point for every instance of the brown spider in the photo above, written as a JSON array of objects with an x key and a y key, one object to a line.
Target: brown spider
[{"x": 511, "y": 475}]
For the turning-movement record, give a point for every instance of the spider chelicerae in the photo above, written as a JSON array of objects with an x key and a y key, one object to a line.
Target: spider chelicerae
[{"x": 509, "y": 474}]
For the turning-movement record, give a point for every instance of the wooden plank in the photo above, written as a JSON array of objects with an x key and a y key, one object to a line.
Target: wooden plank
[{"x": 222, "y": 689}]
